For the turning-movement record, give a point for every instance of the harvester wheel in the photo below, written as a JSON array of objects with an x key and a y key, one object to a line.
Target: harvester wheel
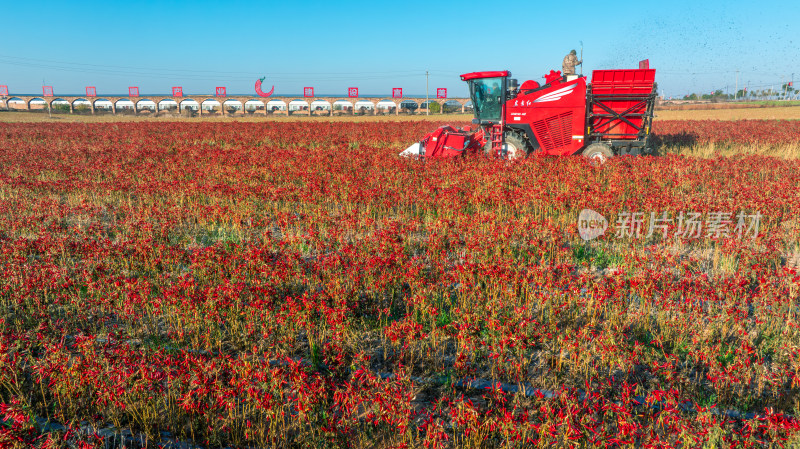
[
  {"x": 515, "y": 147},
  {"x": 597, "y": 153}
]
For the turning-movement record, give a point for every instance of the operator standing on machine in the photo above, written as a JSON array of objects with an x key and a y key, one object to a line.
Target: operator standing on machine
[{"x": 570, "y": 61}]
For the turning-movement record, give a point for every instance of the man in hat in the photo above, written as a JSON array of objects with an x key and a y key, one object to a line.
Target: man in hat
[{"x": 570, "y": 61}]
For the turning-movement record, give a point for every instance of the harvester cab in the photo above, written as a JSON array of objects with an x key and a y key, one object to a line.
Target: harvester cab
[
  {"x": 488, "y": 95},
  {"x": 488, "y": 92},
  {"x": 564, "y": 116}
]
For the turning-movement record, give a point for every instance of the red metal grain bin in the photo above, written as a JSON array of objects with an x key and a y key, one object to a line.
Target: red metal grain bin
[{"x": 620, "y": 101}]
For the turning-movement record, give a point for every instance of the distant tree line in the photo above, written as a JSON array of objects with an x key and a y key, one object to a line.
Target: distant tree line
[{"x": 786, "y": 92}]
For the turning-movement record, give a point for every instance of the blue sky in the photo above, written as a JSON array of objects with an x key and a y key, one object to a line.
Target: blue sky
[{"x": 695, "y": 46}]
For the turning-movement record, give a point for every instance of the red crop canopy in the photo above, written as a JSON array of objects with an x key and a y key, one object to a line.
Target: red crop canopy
[{"x": 474, "y": 75}]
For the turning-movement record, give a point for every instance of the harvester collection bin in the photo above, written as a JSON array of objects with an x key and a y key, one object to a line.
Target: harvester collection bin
[{"x": 620, "y": 104}]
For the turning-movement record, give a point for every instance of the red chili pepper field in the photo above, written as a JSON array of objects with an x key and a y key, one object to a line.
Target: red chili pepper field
[{"x": 297, "y": 284}]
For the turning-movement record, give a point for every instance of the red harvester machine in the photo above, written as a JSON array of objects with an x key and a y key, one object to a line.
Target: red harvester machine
[{"x": 611, "y": 116}]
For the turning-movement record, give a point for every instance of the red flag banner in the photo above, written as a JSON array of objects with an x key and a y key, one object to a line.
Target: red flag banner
[
  {"x": 308, "y": 92},
  {"x": 352, "y": 92},
  {"x": 221, "y": 92},
  {"x": 47, "y": 91},
  {"x": 644, "y": 64},
  {"x": 177, "y": 91},
  {"x": 91, "y": 91},
  {"x": 441, "y": 92},
  {"x": 397, "y": 92},
  {"x": 3, "y": 91},
  {"x": 133, "y": 91}
]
